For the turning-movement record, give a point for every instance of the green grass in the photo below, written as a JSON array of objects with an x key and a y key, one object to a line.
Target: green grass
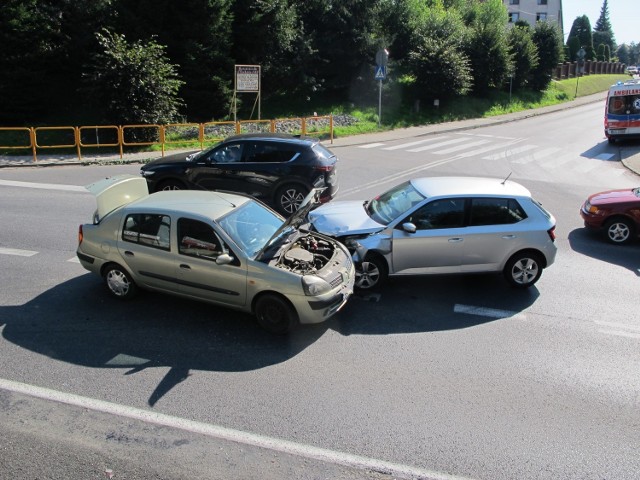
[{"x": 498, "y": 103}]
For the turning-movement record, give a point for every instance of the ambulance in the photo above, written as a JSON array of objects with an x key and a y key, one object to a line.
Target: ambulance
[{"x": 622, "y": 111}]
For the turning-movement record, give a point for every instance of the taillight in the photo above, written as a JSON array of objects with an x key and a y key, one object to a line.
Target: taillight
[
  {"x": 552, "y": 233},
  {"x": 80, "y": 236},
  {"x": 323, "y": 168}
]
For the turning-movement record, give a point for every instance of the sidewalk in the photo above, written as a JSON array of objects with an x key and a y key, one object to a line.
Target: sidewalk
[{"x": 630, "y": 157}]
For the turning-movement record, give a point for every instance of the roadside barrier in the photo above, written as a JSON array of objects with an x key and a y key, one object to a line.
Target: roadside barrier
[{"x": 200, "y": 135}]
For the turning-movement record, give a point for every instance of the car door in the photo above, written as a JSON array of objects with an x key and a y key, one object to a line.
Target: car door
[
  {"x": 493, "y": 233},
  {"x": 146, "y": 249},
  {"x": 199, "y": 275},
  {"x": 437, "y": 245},
  {"x": 267, "y": 164},
  {"x": 220, "y": 170}
]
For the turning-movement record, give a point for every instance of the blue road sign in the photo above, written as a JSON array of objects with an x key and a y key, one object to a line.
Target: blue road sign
[{"x": 381, "y": 72}]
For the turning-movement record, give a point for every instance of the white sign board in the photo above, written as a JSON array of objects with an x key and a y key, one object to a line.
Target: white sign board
[{"x": 247, "y": 78}]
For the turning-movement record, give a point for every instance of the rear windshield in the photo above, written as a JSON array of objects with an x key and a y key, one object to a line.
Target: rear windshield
[{"x": 541, "y": 208}]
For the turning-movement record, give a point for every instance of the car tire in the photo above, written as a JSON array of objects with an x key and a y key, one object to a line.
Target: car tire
[
  {"x": 289, "y": 198},
  {"x": 524, "y": 269},
  {"x": 371, "y": 273},
  {"x": 275, "y": 314},
  {"x": 119, "y": 283},
  {"x": 169, "y": 185},
  {"x": 619, "y": 231}
]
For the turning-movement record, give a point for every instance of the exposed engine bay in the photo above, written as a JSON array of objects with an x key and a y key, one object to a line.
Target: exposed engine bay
[{"x": 308, "y": 254}]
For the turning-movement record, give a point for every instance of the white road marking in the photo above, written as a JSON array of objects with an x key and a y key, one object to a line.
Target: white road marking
[
  {"x": 74, "y": 260},
  {"x": 44, "y": 186},
  {"x": 371, "y": 145},
  {"x": 480, "y": 151},
  {"x": 223, "y": 433},
  {"x": 15, "y": 251},
  {"x": 413, "y": 144},
  {"x": 605, "y": 156},
  {"x": 538, "y": 155},
  {"x": 466, "y": 146},
  {"x": 487, "y": 312},
  {"x": 510, "y": 153},
  {"x": 436, "y": 145},
  {"x": 620, "y": 333}
]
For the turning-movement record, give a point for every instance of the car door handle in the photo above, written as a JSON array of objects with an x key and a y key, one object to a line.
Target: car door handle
[
  {"x": 455, "y": 240},
  {"x": 129, "y": 253},
  {"x": 185, "y": 266}
]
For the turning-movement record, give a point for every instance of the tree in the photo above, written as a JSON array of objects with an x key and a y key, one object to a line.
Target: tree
[
  {"x": 581, "y": 29},
  {"x": 602, "y": 32},
  {"x": 548, "y": 40},
  {"x": 525, "y": 53},
  {"x": 487, "y": 46},
  {"x": 437, "y": 60},
  {"x": 133, "y": 83}
]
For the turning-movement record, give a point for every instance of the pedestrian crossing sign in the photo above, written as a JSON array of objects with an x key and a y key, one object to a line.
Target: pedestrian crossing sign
[{"x": 381, "y": 72}]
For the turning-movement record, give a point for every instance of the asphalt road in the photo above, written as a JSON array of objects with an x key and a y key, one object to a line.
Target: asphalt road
[{"x": 437, "y": 377}]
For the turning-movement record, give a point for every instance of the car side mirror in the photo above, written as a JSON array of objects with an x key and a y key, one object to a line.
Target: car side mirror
[
  {"x": 224, "y": 259},
  {"x": 409, "y": 227}
]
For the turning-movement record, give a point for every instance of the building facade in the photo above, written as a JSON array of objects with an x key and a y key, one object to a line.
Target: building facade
[{"x": 532, "y": 11}]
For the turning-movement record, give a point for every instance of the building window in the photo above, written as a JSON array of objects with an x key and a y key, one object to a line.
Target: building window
[
  {"x": 514, "y": 2},
  {"x": 514, "y": 17},
  {"x": 541, "y": 16},
  {"x": 542, "y": 2}
]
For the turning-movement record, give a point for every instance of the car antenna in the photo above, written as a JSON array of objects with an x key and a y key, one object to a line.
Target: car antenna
[{"x": 505, "y": 180}]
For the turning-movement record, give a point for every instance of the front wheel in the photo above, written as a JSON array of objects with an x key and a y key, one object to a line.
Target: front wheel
[
  {"x": 119, "y": 282},
  {"x": 619, "y": 231},
  {"x": 523, "y": 269},
  {"x": 371, "y": 273},
  {"x": 275, "y": 315},
  {"x": 289, "y": 198}
]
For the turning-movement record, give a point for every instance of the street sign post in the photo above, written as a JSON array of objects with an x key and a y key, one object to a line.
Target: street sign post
[{"x": 382, "y": 57}]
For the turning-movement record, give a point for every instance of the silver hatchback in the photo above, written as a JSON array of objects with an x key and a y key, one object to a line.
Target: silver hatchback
[
  {"x": 222, "y": 248},
  {"x": 443, "y": 225}
]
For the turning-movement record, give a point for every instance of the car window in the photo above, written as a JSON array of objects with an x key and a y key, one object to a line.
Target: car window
[
  {"x": 393, "y": 203},
  {"x": 495, "y": 211},
  {"x": 443, "y": 213},
  {"x": 231, "y": 153},
  {"x": 250, "y": 226},
  {"x": 323, "y": 152},
  {"x": 197, "y": 239},
  {"x": 148, "y": 229},
  {"x": 265, "y": 152}
]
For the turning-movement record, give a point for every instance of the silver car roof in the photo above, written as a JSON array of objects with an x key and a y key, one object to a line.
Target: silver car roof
[
  {"x": 208, "y": 204},
  {"x": 468, "y": 186}
]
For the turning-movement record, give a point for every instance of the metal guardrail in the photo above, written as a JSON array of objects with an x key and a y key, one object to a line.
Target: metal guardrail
[{"x": 122, "y": 136}]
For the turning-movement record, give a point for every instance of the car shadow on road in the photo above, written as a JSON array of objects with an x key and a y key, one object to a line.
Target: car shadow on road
[
  {"x": 79, "y": 323},
  {"x": 594, "y": 245}
]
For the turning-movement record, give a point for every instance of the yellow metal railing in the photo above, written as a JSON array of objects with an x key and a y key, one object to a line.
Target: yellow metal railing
[{"x": 79, "y": 138}]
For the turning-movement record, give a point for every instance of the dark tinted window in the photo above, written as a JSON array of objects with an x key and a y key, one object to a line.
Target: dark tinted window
[
  {"x": 146, "y": 229},
  {"x": 231, "y": 153},
  {"x": 323, "y": 152},
  {"x": 447, "y": 213},
  {"x": 265, "y": 152},
  {"x": 495, "y": 211},
  {"x": 197, "y": 239}
]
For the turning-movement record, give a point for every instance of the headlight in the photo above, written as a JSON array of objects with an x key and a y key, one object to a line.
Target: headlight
[
  {"x": 314, "y": 286},
  {"x": 147, "y": 173}
]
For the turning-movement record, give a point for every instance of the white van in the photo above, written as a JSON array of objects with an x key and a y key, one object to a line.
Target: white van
[{"x": 622, "y": 111}]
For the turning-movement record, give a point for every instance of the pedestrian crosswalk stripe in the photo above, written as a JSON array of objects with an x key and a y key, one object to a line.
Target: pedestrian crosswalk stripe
[
  {"x": 480, "y": 151},
  {"x": 510, "y": 152},
  {"x": 15, "y": 251},
  {"x": 437, "y": 145},
  {"x": 413, "y": 144},
  {"x": 446, "y": 151},
  {"x": 371, "y": 145},
  {"x": 537, "y": 155}
]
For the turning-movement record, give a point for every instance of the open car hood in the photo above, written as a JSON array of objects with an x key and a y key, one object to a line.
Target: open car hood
[
  {"x": 296, "y": 220},
  {"x": 113, "y": 192}
]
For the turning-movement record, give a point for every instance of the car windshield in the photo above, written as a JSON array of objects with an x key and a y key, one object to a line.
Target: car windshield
[
  {"x": 390, "y": 205},
  {"x": 251, "y": 226},
  {"x": 202, "y": 153}
]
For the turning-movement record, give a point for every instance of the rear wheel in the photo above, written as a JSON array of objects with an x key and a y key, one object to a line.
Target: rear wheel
[
  {"x": 170, "y": 184},
  {"x": 523, "y": 269},
  {"x": 119, "y": 282},
  {"x": 371, "y": 273},
  {"x": 275, "y": 315},
  {"x": 619, "y": 231},
  {"x": 289, "y": 198}
]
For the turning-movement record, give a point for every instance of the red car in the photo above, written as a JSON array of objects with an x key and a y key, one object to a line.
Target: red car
[{"x": 616, "y": 212}]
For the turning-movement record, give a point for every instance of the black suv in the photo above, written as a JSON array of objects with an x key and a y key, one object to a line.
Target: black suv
[{"x": 278, "y": 169}]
